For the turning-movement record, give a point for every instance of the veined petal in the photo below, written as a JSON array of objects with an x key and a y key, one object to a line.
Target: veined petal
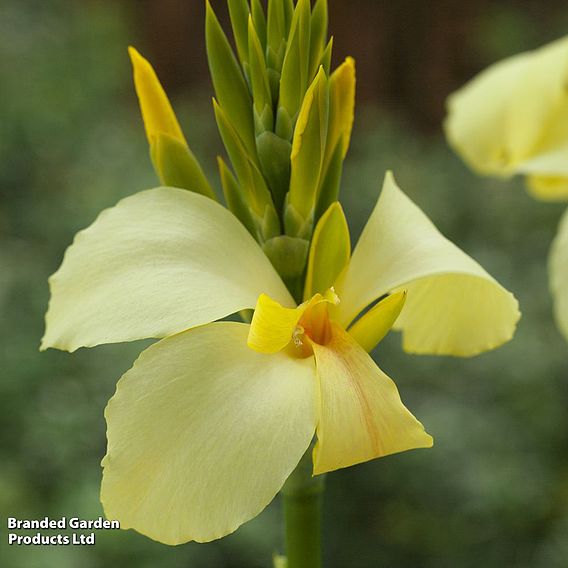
[
  {"x": 558, "y": 271},
  {"x": 156, "y": 109},
  {"x": 453, "y": 306},
  {"x": 202, "y": 433},
  {"x": 513, "y": 113},
  {"x": 159, "y": 262},
  {"x": 361, "y": 416},
  {"x": 272, "y": 325}
]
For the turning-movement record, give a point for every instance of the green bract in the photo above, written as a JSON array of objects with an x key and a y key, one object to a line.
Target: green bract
[{"x": 177, "y": 166}]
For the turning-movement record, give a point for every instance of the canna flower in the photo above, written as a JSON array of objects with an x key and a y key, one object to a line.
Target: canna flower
[
  {"x": 513, "y": 119},
  {"x": 210, "y": 421},
  {"x": 213, "y": 418}
]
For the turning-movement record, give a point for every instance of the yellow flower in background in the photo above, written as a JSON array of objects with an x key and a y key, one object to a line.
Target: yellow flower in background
[
  {"x": 211, "y": 420},
  {"x": 513, "y": 119}
]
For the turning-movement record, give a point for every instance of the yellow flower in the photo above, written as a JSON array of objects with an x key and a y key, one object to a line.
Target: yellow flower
[
  {"x": 513, "y": 119},
  {"x": 211, "y": 420}
]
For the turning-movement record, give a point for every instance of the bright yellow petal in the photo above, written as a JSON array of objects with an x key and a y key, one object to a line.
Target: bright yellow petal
[
  {"x": 370, "y": 329},
  {"x": 361, "y": 414},
  {"x": 159, "y": 262},
  {"x": 202, "y": 433},
  {"x": 558, "y": 271},
  {"x": 513, "y": 113},
  {"x": 548, "y": 188},
  {"x": 453, "y": 306},
  {"x": 272, "y": 325},
  {"x": 330, "y": 250},
  {"x": 156, "y": 109}
]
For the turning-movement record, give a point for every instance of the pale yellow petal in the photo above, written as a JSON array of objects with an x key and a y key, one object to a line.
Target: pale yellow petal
[
  {"x": 512, "y": 114},
  {"x": 156, "y": 109},
  {"x": 540, "y": 108},
  {"x": 159, "y": 262},
  {"x": 553, "y": 163},
  {"x": 453, "y": 306},
  {"x": 361, "y": 416},
  {"x": 372, "y": 327},
  {"x": 558, "y": 272},
  {"x": 456, "y": 314},
  {"x": 478, "y": 123},
  {"x": 202, "y": 433}
]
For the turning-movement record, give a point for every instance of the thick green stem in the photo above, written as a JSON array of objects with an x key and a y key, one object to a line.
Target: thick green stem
[{"x": 303, "y": 500}]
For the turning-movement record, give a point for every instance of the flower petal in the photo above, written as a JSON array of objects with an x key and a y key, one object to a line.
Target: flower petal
[
  {"x": 553, "y": 163},
  {"x": 548, "y": 188},
  {"x": 513, "y": 112},
  {"x": 558, "y": 270},
  {"x": 373, "y": 326},
  {"x": 361, "y": 414},
  {"x": 159, "y": 262},
  {"x": 272, "y": 325},
  {"x": 453, "y": 306},
  {"x": 202, "y": 433}
]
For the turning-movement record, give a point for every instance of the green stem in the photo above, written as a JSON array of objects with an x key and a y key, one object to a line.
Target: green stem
[{"x": 303, "y": 499}]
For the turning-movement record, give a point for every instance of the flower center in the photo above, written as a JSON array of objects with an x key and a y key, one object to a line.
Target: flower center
[
  {"x": 274, "y": 328},
  {"x": 313, "y": 327}
]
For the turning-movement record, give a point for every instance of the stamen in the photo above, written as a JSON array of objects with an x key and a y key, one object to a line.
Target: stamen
[
  {"x": 297, "y": 336},
  {"x": 332, "y": 297}
]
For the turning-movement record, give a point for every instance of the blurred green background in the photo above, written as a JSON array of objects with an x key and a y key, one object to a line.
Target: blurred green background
[{"x": 494, "y": 489}]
